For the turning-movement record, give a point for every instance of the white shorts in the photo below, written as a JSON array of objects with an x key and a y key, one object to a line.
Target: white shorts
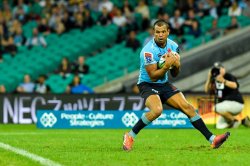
[
  {"x": 227, "y": 106},
  {"x": 233, "y": 107}
]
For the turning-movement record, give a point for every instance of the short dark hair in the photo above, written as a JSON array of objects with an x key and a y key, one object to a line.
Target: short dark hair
[{"x": 160, "y": 23}]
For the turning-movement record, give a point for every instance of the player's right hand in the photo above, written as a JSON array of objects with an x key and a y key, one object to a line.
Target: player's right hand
[{"x": 170, "y": 59}]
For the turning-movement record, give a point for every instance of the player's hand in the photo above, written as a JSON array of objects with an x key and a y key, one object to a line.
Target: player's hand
[
  {"x": 169, "y": 60},
  {"x": 177, "y": 62}
]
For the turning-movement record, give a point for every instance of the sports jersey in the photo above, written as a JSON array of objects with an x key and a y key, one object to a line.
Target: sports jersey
[{"x": 151, "y": 54}]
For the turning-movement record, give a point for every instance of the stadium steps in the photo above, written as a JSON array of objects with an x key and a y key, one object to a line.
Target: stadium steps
[{"x": 237, "y": 66}]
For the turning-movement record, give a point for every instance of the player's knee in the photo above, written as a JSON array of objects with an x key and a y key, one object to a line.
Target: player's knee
[
  {"x": 188, "y": 109},
  {"x": 157, "y": 111}
]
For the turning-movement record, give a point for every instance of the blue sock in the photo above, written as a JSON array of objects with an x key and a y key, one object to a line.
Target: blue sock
[
  {"x": 139, "y": 125},
  {"x": 198, "y": 123}
]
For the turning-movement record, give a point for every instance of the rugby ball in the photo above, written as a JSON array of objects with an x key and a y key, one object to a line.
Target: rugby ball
[{"x": 162, "y": 60}]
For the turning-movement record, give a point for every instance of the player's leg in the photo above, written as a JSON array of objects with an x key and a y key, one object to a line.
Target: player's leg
[
  {"x": 153, "y": 102},
  {"x": 179, "y": 101}
]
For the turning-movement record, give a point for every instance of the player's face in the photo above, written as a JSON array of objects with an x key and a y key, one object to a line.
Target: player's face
[{"x": 161, "y": 34}]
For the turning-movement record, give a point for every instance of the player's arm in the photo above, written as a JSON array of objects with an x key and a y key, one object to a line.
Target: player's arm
[
  {"x": 175, "y": 70},
  {"x": 155, "y": 73},
  {"x": 176, "y": 66}
]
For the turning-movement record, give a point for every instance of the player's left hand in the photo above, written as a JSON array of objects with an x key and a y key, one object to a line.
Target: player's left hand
[{"x": 177, "y": 63}]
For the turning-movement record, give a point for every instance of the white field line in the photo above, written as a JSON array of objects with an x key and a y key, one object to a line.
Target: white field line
[
  {"x": 21, "y": 133},
  {"x": 34, "y": 157}
]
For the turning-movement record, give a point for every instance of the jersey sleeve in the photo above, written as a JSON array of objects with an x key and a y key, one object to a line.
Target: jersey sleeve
[
  {"x": 174, "y": 46},
  {"x": 147, "y": 57}
]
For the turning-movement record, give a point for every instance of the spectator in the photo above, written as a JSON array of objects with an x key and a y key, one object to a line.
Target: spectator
[
  {"x": 176, "y": 23},
  {"x": 233, "y": 26},
  {"x": 20, "y": 11},
  {"x": 9, "y": 46},
  {"x": 76, "y": 87},
  {"x": 43, "y": 26},
  {"x": 127, "y": 9},
  {"x": 19, "y": 14},
  {"x": 119, "y": 19},
  {"x": 79, "y": 21},
  {"x": 200, "y": 11},
  {"x": 27, "y": 86},
  {"x": 105, "y": 4},
  {"x": 2, "y": 89},
  {"x": 234, "y": 9},
  {"x": 213, "y": 9},
  {"x": 64, "y": 68},
  {"x": 14, "y": 26},
  {"x": 41, "y": 86},
  {"x": 104, "y": 18},
  {"x": 128, "y": 12},
  {"x": 80, "y": 67},
  {"x": 215, "y": 31},
  {"x": 246, "y": 10},
  {"x": 224, "y": 4},
  {"x": 68, "y": 23},
  {"x": 7, "y": 14},
  {"x": 59, "y": 26},
  {"x": 88, "y": 21},
  {"x": 150, "y": 37},
  {"x": 36, "y": 40},
  {"x": 195, "y": 29},
  {"x": 143, "y": 9},
  {"x": 190, "y": 18},
  {"x": 19, "y": 38},
  {"x": 54, "y": 15},
  {"x": 132, "y": 42},
  {"x": 165, "y": 6}
]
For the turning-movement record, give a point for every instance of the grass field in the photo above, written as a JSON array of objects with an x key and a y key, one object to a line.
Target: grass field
[{"x": 103, "y": 147}]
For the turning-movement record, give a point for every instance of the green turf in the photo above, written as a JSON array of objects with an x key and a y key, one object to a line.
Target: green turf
[{"x": 103, "y": 147}]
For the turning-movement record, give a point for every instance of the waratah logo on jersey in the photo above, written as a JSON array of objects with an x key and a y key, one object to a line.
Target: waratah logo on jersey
[
  {"x": 129, "y": 119},
  {"x": 48, "y": 120},
  {"x": 148, "y": 57}
]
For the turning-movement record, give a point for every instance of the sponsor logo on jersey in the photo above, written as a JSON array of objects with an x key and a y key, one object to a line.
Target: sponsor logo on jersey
[{"x": 148, "y": 57}]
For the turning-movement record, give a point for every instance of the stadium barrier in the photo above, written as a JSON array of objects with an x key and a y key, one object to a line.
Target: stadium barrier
[
  {"x": 21, "y": 108},
  {"x": 107, "y": 119}
]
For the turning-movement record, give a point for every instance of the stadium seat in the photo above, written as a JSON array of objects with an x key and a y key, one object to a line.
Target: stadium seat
[{"x": 224, "y": 21}]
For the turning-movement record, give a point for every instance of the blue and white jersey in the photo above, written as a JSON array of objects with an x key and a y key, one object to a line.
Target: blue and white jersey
[{"x": 151, "y": 54}]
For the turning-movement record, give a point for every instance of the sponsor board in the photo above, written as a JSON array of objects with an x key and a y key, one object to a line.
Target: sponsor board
[
  {"x": 108, "y": 119},
  {"x": 21, "y": 109}
]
